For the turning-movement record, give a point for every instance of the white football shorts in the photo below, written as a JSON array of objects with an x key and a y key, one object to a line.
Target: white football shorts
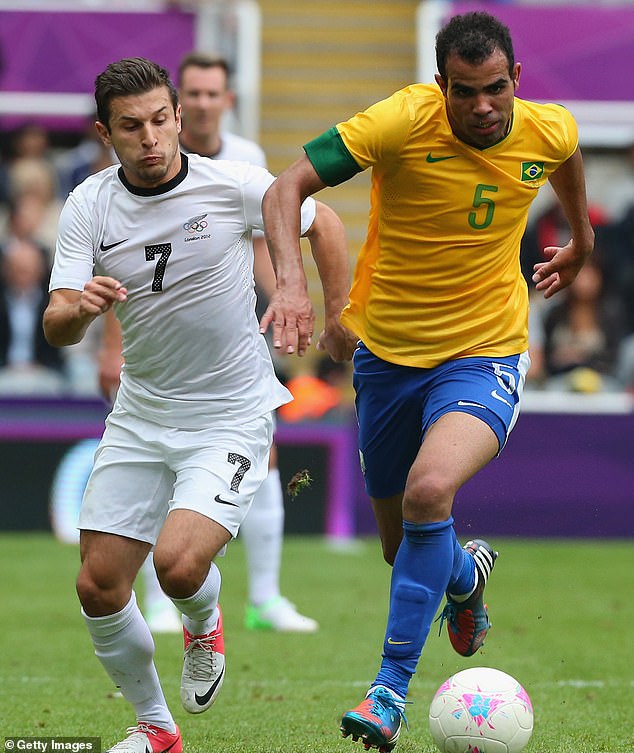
[{"x": 142, "y": 471}]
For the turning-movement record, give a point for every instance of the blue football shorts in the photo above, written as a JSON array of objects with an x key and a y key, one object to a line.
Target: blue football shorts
[{"x": 396, "y": 405}]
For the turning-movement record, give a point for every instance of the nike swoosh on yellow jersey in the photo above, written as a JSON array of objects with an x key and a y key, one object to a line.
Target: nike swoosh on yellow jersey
[
  {"x": 397, "y": 643},
  {"x": 439, "y": 159}
]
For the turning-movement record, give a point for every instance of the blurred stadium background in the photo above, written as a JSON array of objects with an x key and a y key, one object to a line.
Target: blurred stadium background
[{"x": 299, "y": 68}]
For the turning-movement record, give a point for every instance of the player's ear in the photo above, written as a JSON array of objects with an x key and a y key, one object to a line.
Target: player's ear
[
  {"x": 177, "y": 115},
  {"x": 517, "y": 69},
  {"x": 103, "y": 133},
  {"x": 441, "y": 83}
]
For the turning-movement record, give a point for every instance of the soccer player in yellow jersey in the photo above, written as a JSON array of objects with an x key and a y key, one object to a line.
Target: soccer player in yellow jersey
[{"x": 439, "y": 308}]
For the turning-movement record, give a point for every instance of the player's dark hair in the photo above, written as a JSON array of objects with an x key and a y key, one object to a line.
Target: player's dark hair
[
  {"x": 126, "y": 77},
  {"x": 202, "y": 60},
  {"x": 473, "y": 37}
]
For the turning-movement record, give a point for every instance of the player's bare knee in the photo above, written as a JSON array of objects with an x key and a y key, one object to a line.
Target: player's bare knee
[
  {"x": 100, "y": 596},
  {"x": 428, "y": 498},
  {"x": 86, "y": 589},
  {"x": 179, "y": 578}
]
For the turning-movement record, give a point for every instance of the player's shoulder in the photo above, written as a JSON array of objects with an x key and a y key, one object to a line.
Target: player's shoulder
[
  {"x": 236, "y": 147},
  {"x": 420, "y": 96},
  {"x": 212, "y": 168},
  {"x": 416, "y": 102},
  {"x": 549, "y": 112},
  {"x": 411, "y": 103},
  {"x": 93, "y": 183},
  {"x": 548, "y": 121},
  {"x": 88, "y": 194},
  {"x": 213, "y": 174}
]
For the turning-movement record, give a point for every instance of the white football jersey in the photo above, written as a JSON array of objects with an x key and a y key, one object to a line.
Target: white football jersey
[
  {"x": 236, "y": 147},
  {"x": 191, "y": 343}
]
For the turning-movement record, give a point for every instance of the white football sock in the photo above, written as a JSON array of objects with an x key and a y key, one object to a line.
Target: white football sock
[
  {"x": 262, "y": 532},
  {"x": 459, "y": 598},
  {"x": 398, "y": 699},
  {"x": 124, "y": 645},
  {"x": 200, "y": 613}
]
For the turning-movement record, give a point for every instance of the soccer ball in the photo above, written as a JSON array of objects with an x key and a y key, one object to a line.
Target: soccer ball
[{"x": 481, "y": 710}]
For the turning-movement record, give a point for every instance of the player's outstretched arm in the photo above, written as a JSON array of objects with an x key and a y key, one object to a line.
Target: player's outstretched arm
[
  {"x": 329, "y": 248},
  {"x": 290, "y": 311},
  {"x": 69, "y": 312},
  {"x": 263, "y": 267},
  {"x": 110, "y": 359},
  {"x": 563, "y": 263}
]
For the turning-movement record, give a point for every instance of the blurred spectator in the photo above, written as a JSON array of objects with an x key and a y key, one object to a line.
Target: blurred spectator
[
  {"x": 548, "y": 229},
  {"x": 625, "y": 365},
  {"x": 583, "y": 333},
  {"x": 28, "y": 364},
  {"x": 618, "y": 192},
  {"x": 88, "y": 157},
  {"x": 551, "y": 229},
  {"x": 536, "y": 374},
  {"x": 31, "y": 172},
  {"x": 619, "y": 242},
  {"x": 30, "y": 141},
  {"x": 319, "y": 396},
  {"x": 24, "y": 219},
  {"x": 34, "y": 180},
  {"x": 4, "y": 181}
]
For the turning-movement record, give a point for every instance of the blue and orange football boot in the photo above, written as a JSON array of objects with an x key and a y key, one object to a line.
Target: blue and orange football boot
[
  {"x": 376, "y": 721},
  {"x": 468, "y": 620}
]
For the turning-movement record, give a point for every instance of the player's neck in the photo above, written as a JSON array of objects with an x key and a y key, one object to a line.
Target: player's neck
[{"x": 208, "y": 146}]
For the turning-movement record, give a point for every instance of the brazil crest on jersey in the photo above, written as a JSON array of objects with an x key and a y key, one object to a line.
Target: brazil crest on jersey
[{"x": 438, "y": 276}]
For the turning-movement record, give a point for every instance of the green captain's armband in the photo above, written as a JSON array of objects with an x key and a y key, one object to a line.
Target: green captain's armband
[{"x": 331, "y": 159}]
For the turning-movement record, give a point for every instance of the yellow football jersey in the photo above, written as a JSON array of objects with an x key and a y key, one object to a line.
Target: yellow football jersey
[{"x": 438, "y": 276}]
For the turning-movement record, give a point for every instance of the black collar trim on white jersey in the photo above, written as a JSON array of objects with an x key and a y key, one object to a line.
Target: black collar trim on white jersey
[{"x": 158, "y": 190}]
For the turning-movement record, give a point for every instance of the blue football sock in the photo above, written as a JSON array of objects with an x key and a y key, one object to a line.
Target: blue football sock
[
  {"x": 421, "y": 572},
  {"x": 463, "y": 574}
]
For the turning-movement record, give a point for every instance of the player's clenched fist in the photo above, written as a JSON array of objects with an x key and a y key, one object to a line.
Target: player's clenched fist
[{"x": 99, "y": 294}]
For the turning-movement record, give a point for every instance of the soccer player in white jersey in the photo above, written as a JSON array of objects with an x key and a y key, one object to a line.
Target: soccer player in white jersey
[
  {"x": 205, "y": 98},
  {"x": 165, "y": 239}
]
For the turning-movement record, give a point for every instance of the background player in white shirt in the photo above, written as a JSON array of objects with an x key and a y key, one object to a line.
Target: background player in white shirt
[
  {"x": 165, "y": 238},
  {"x": 205, "y": 98}
]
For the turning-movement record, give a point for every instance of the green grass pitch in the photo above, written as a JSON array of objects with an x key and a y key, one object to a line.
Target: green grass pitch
[{"x": 563, "y": 625}]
